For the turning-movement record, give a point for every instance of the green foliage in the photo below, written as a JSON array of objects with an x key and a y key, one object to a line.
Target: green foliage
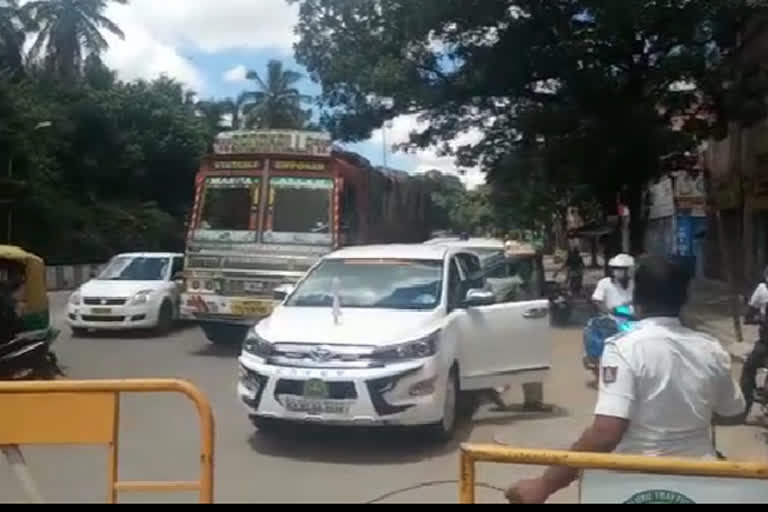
[
  {"x": 276, "y": 102},
  {"x": 456, "y": 209},
  {"x": 68, "y": 31},
  {"x": 566, "y": 92},
  {"x": 114, "y": 171}
]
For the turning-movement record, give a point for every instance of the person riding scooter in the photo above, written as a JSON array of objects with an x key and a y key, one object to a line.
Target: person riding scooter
[
  {"x": 756, "y": 314},
  {"x": 574, "y": 267},
  {"x": 616, "y": 289}
]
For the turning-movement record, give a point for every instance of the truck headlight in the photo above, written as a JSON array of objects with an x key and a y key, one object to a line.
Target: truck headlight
[
  {"x": 257, "y": 346},
  {"x": 416, "y": 349}
]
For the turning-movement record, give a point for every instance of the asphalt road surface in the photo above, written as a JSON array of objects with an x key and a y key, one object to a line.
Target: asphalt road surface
[{"x": 159, "y": 436}]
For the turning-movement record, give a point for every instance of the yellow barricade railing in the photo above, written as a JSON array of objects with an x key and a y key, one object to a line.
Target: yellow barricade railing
[
  {"x": 474, "y": 453},
  {"x": 71, "y": 412}
]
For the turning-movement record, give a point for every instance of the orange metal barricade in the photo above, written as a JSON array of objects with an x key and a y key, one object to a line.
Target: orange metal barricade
[
  {"x": 473, "y": 453},
  {"x": 43, "y": 412}
]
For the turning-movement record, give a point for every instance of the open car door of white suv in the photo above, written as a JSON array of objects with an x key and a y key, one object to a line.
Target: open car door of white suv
[{"x": 500, "y": 343}]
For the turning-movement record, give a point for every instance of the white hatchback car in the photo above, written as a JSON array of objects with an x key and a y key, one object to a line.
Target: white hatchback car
[
  {"x": 389, "y": 335},
  {"x": 134, "y": 291}
]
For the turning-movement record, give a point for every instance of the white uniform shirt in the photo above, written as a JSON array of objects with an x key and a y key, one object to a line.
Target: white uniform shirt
[
  {"x": 612, "y": 293},
  {"x": 759, "y": 298},
  {"x": 668, "y": 381}
]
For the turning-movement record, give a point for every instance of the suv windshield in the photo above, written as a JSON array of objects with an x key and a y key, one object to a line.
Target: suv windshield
[
  {"x": 370, "y": 283},
  {"x": 300, "y": 211},
  {"x": 128, "y": 268}
]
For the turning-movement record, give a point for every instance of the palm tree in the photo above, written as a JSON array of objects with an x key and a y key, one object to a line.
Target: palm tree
[
  {"x": 13, "y": 24},
  {"x": 68, "y": 30},
  {"x": 277, "y": 103}
]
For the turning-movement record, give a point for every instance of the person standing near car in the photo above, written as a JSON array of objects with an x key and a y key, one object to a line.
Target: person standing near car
[
  {"x": 616, "y": 289},
  {"x": 661, "y": 385}
]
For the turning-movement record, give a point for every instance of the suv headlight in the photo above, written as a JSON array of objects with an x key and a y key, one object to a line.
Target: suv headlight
[
  {"x": 141, "y": 297},
  {"x": 75, "y": 298},
  {"x": 416, "y": 349},
  {"x": 257, "y": 346}
]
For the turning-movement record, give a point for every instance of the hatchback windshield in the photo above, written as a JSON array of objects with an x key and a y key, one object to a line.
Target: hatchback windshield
[
  {"x": 372, "y": 283},
  {"x": 128, "y": 268}
]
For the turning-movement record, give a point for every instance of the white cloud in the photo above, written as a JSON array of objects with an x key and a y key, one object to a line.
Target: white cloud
[
  {"x": 429, "y": 159},
  {"x": 157, "y": 32},
  {"x": 236, "y": 74}
]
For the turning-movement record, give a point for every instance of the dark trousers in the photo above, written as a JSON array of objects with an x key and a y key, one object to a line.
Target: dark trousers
[{"x": 756, "y": 359}]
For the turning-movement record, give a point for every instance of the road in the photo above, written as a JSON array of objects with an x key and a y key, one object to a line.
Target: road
[{"x": 159, "y": 434}]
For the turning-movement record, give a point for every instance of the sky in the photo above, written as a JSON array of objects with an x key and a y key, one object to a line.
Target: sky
[{"x": 209, "y": 45}]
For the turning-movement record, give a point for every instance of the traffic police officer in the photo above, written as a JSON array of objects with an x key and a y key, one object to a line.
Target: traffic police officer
[{"x": 661, "y": 385}]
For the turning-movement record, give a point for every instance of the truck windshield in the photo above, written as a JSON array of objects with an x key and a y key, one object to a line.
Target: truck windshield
[
  {"x": 228, "y": 203},
  {"x": 369, "y": 283},
  {"x": 300, "y": 211}
]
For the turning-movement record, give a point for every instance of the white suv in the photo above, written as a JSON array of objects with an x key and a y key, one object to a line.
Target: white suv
[{"x": 389, "y": 335}]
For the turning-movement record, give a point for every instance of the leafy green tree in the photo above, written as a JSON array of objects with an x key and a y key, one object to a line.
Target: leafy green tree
[
  {"x": 68, "y": 31},
  {"x": 276, "y": 103},
  {"x": 13, "y": 26},
  {"x": 587, "y": 87}
]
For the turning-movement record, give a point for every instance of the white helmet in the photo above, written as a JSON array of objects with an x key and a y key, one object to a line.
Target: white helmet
[{"x": 622, "y": 261}]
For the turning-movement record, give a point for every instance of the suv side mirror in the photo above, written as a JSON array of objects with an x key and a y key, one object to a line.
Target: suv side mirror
[
  {"x": 178, "y": 277},
  {"x": 478, "y": 297},
  {"x": 283, "y": 291}
]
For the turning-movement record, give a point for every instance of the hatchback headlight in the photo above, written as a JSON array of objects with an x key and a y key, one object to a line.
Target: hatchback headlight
[
  {"x": 416, "y": 349},
  {"x": 257, "y": 346},
  {"x": 141, "y": 297}
]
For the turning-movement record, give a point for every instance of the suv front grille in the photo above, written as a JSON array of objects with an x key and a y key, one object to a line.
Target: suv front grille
[{"x": 99, "y": 301}]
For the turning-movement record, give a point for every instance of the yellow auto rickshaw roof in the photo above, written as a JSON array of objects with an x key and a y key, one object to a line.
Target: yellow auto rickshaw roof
[{"x": 11, "y": 252}]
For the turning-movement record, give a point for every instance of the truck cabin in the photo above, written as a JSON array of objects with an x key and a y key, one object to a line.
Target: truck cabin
[{"x": 257, "y": 189}]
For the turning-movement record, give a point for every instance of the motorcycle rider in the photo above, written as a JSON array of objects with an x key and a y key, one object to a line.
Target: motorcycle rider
[
  {"x": 616, "y": 289},
  {"x": 759, "y": 355},
  {"x": 574, "y": 267}
]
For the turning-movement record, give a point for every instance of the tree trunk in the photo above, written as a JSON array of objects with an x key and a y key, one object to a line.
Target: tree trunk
[{"x": 726, "y": 259}]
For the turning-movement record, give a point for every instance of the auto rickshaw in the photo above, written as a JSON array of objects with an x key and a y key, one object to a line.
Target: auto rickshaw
[{"x": 28, "y": 355}]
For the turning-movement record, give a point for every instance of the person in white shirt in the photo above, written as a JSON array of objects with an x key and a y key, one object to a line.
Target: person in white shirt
[
  {"x": 759, "y": 355},
  {"x": 661, "y": 385},
  {"x": 615, "y": 290}
]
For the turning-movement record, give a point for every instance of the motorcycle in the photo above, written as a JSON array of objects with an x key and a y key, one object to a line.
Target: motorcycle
[
  {"x": 560, "y": 304},
  {"x": 599, "y": 329},
  {"x": 29, "y": 357}
]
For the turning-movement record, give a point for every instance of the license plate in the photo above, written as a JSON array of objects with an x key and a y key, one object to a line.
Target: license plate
[
  {"x": 251, "y": 308},
  {"x": 316, "y": 406},
  {"x": 254, "y": 286},
  {"x": 101, "y": 311}
]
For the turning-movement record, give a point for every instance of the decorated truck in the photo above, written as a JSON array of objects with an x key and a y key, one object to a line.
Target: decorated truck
[{"x": 268, "y": 204}]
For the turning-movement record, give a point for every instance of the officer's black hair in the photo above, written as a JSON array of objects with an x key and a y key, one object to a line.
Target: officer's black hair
[{"x": 661, "y": 286}]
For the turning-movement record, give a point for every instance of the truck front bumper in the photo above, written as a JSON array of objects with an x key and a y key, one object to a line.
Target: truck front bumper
[{"x": 230, "y": 310}]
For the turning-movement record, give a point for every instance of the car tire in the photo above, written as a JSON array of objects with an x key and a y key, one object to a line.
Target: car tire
[
  {"x": 164, "y": 318},
  {"x": 444, "y": 430},
  {"x": 224, "y": 335}
]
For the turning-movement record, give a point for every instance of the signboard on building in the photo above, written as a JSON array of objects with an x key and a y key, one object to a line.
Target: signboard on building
[
  {"x": 275, "y": 142},
  {"x": 298, "y": 165},
  {"x": 236, "y": 165},
  {"x": 608, "y": 487},
  {"x": 690, "y": 193},
  {"x": 661, "y": 197}
]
